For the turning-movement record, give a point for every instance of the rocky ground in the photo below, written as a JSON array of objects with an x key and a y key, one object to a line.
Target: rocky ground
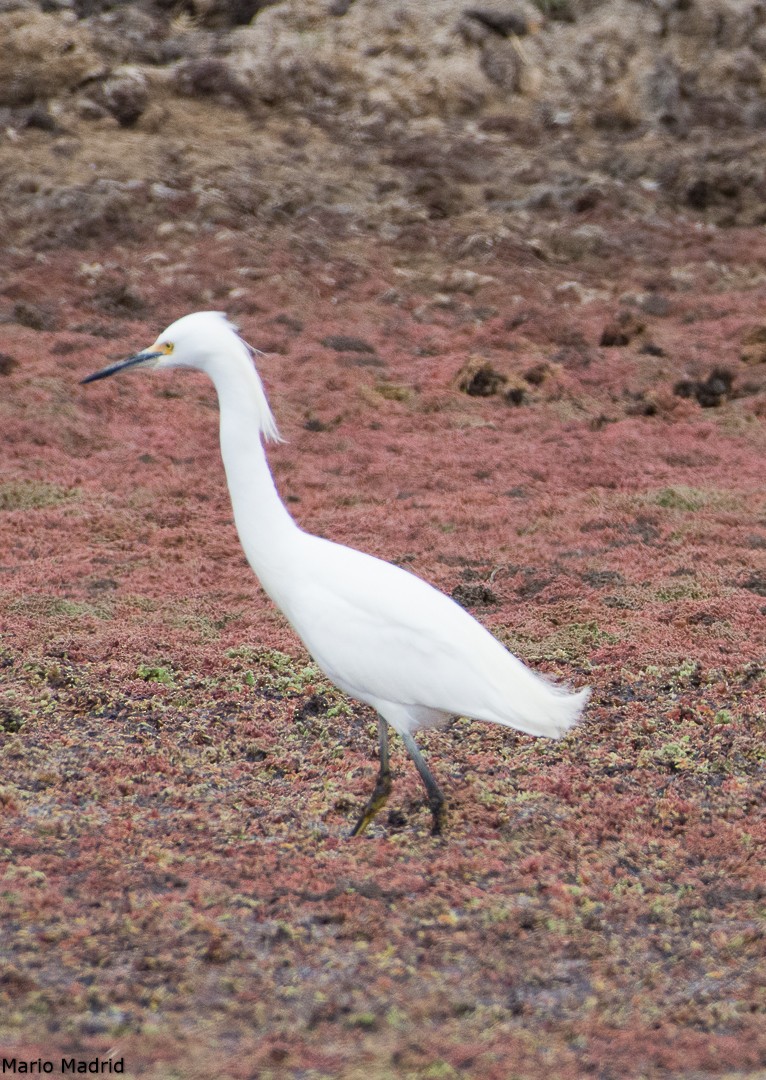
[{"x": 507, "y": 266}]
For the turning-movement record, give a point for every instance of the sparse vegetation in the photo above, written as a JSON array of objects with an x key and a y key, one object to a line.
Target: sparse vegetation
[
  {"x": 32, "y": 495},
  {"x": 156, "y": 673}
]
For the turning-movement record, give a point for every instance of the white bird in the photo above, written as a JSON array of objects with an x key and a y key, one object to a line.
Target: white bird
[{"x": 382, "y": 635}]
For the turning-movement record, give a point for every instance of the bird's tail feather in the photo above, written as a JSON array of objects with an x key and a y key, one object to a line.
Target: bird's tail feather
[{"x": 540, "y": 707}]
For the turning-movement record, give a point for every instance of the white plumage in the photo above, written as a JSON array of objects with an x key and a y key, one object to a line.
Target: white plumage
[{"x": 378, "y": 632}]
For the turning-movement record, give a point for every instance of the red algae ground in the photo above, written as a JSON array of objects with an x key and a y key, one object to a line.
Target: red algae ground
[
  {"x": 514, "y": 335},
  {"x": 178, "y": 780}
]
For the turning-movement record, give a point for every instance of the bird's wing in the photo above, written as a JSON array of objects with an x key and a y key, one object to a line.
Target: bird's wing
[{"x": 383, "y": 634}]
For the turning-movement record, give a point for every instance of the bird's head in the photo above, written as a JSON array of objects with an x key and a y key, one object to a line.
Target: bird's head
[
  {"x": 207, "y": 341},
  {"x": 190, "y": 342}
]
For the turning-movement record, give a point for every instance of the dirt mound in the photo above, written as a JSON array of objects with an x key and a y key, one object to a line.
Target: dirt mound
[{"x": 389, "y": 111}]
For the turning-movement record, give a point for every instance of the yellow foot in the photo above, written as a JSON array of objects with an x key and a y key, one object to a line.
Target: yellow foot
[{"x": 377, "y": 801}]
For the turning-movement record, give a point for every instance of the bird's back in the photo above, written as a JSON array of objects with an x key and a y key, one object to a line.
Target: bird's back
[{"x": 384, "y": 635}]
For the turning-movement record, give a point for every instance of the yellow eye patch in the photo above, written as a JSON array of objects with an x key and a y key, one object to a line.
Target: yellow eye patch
[{"x": 163, "y": 347}]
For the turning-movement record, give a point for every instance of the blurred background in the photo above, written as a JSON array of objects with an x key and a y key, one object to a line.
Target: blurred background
[{"x": 119, "y": 116}]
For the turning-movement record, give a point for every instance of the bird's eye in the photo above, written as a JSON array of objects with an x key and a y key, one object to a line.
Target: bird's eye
[{"x": 167, "y": 346}]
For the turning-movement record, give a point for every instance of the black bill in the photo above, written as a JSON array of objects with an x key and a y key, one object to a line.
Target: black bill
[{"x": 121, "y": 365}]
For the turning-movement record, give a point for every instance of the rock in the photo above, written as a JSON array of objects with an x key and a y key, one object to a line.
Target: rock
[
  {"x": 382, "y": 60},
  {"x": 576, "y": 292},
  {"x": 505, "y": 20},
  {"x": 35, "y": 316},
  {"x": 43, "y": 55},
  {"x": 538, "y": 373},
  {"x": 346, "y": 343},
  {"x": 212, "y": 77},
  {"x": 37, "y": 116},
  {"x": 125, "y": 95},
  {"x": 755, "y": 582},
  {"x": 515, "y": 390},
  {"x": 655, "y": 304},
  {"x": 662, "y": 96},
  {"x": 475, "y": 595},
  {"x": 459, "y": 280},
  {"x": 622, "y": 330},
  {"x": 478, "y": 378},
  {"x": 709, "y": 392},
  {"x": 503, "y": 64},
  {"x": 222, "y": 14},
  {"x": 118, "y": 298}
]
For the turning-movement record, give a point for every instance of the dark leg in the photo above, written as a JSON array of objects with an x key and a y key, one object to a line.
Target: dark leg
[
  {"x": 379, "y": 797},
  {"x": 435, "y": 796}
]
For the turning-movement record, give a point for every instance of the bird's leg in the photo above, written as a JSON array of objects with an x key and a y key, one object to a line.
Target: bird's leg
[
  {"x": 382, "y": 790},
  {"x": 435, "y": 797}
]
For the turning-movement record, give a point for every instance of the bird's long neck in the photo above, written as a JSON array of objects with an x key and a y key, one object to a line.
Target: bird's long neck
[{"x": 265, "y": 528}]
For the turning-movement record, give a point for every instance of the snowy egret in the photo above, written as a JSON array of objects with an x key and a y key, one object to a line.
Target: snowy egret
[{"x": 382, "y": 635}]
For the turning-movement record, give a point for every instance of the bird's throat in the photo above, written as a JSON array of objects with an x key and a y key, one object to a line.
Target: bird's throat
[{"x": 266, "y": 529}]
